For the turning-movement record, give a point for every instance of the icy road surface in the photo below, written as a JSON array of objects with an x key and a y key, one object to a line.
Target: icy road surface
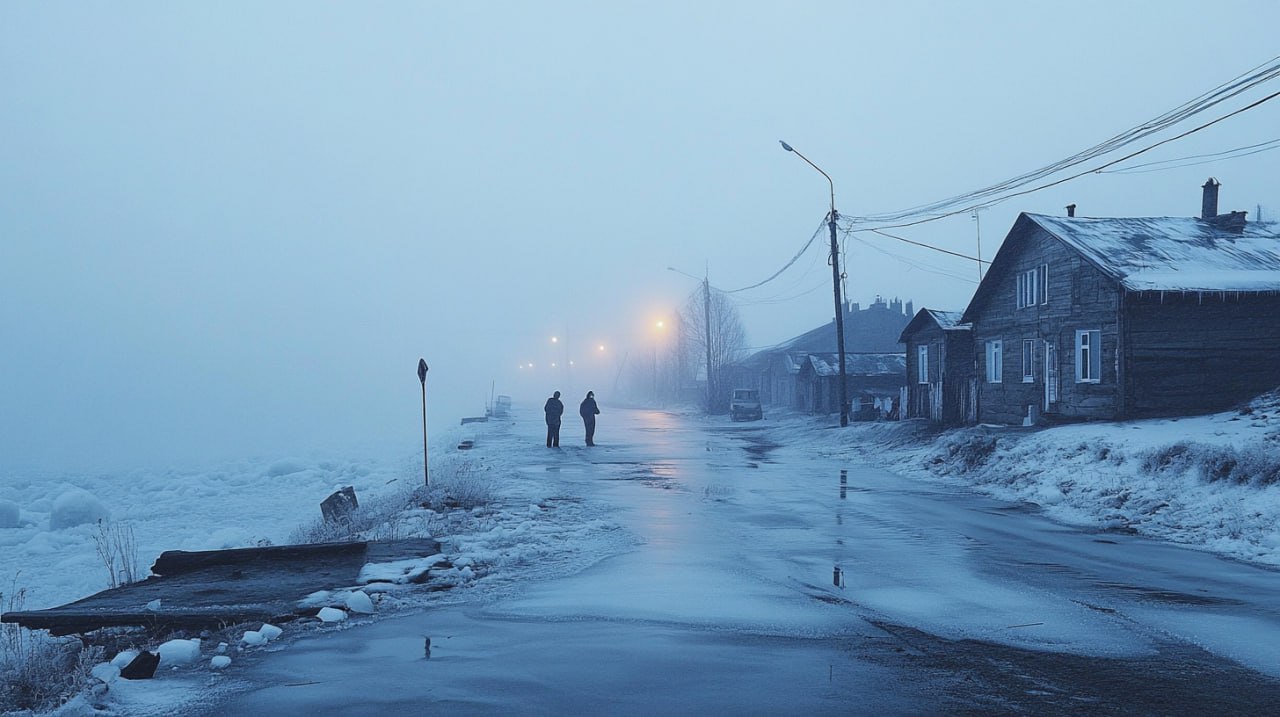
[{"x": 772, "y": 580}]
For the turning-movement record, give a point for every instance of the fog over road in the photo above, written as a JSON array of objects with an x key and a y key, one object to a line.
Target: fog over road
[{"x": 749, "y": 577}]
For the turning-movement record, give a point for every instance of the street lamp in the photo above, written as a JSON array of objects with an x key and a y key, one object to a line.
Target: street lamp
[
  {"x": 835, "y": 283},
  {"x": 706, "y": 329}
]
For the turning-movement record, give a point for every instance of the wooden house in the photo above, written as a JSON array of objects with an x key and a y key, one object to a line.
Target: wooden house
[
  {"x": 939, "y": 367},
  {"x": 872, "y": 379},
  {"x": 775, "y": 371},
  {"x": 1084, "y": 318}
]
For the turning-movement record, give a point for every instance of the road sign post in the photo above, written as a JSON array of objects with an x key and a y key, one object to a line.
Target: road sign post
[{"x": 422, "y": 378}]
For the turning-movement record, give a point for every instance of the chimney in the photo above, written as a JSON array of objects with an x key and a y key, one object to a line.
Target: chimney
[
  {"x": 1209, "y": 205},
  {"x": 1071, "y": 210}
]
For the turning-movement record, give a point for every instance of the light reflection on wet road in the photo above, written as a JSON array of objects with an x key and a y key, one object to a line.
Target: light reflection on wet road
[{"x": 769, "y": 581}]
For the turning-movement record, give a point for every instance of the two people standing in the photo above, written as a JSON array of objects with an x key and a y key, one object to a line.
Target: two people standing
[{"x": 554, "y": 409}]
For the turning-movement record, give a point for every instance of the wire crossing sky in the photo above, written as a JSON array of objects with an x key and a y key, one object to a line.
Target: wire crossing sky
[{"x": 231, "y": 229}]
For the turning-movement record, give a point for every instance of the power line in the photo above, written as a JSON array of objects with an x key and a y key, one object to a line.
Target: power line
[
  {"x": 927, "y": 246},
  {"x": 1204, "y": 159},
  {"x": 1095, "y": 170},
  {"x": 993, "y": 194},
  {"x": 786, "y": 266},
  {"x": 1002, "y": 191},
  {"x": 918, "y": 265}
]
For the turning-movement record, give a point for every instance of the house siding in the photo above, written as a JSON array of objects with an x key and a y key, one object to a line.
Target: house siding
[
  {"x": 959, "y": 387},
  {"x": 1199, "y": 352},
  {"x": 1080, "y": 297},
  {"x": 920, "y": 396}
]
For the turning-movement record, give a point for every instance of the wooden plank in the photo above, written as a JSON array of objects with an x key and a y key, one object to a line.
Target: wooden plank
[
  {"x": 213, "y": 589},
  {"x": 177, "y": 562}
]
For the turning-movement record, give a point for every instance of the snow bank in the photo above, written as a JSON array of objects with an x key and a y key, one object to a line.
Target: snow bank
[
  {"x": 54, "y": 556},
  {"x": 76, "y": 507},
  {"x": 1202, "y": 481},
  {"x": 10, "y": 515}
]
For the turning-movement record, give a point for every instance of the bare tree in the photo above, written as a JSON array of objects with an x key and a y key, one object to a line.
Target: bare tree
[{"x": 726, "y": 338}]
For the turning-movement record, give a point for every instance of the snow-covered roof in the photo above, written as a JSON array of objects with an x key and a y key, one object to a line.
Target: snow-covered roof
[
  {"x": 1175, "y": 253},
  {"x": 946, "y": 319},
  {"x": 858, "y": 364}
]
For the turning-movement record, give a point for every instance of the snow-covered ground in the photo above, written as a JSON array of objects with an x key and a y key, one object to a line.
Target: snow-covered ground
[
  {"x": 1087, "y": 474},
  {"x": 1093, "y": 474},
  {"x": 48, "y": 543}
]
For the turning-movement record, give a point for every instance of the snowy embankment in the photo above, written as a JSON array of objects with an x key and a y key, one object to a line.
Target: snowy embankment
[
  {"x": 1210, "y": 482},
  {"x": 49, "y": 529},
  {"x": 497, "y": 523}
]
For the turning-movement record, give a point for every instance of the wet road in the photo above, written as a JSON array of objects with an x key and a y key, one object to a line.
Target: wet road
[{"x": 773, "y": 580}]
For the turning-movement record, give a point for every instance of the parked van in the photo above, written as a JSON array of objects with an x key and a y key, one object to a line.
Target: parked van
[{"x": 745, "y": 405}]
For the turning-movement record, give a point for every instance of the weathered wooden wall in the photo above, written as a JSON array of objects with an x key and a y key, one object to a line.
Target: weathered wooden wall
[
  {"x": 957, "y": 377},
  {"x": 920, "y": 396},
  {"x": 1194, "y": 353},
  {"x": 1080, "y": 297}
]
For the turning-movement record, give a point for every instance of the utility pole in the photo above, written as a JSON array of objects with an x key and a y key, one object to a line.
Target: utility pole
[
  {"x": 835, "y": 282},
  {"x": 706, "y": 309},
  {"x": 979, "y": 223},
  {"x": 706, "y": 325}
]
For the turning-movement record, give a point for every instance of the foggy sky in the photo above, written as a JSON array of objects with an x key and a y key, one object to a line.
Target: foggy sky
[{"x": 233, "y": 228}]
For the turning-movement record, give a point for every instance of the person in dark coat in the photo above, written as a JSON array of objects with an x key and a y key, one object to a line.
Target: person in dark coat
[
  {"x": 588, "y": 410},
  {"x": 554, "y": 409}
]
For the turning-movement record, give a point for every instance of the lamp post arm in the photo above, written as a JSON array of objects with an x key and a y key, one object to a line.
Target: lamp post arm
[{"x": 828, "y": 176}]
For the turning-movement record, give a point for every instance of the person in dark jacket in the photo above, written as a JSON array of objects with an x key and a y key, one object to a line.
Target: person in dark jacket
[
  {"x": 554, "y": 409},
  {"x": 588, "y": 410}
]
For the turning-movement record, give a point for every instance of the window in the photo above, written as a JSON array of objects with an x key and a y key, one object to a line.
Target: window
[
  {"x": 922, "y": 364},
  {"x": 1026, "y": 289},
  {"x": 1028, "y": 360},
  {"x": 995, "y": 367},
  {"x": 1033, "y": 287},
  {"x": 1088, "y": 356}
]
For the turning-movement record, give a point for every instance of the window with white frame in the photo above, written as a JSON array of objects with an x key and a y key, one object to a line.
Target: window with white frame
[
  {"x": 1028, "y": 360},
  {"x": 922, "y": 364},
  {"x": 1027, "y": 289},
  {"x": 995, "y": 362},
  {"x": 1088, "y": 356},
  {"x": 1033, "y": 286}
]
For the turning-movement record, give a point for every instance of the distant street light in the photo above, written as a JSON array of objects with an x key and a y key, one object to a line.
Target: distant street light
[
  {"x": 422, "y": 377},
  {"x": 835, "y": 280}
]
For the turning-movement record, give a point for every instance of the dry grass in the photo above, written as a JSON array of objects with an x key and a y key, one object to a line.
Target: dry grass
[
  {"x": 456, "y": 484},
  {"x": 118, "y": 551},
  {"x": 38, "y": 672},
  {"x": 1251, "y": 465}
]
